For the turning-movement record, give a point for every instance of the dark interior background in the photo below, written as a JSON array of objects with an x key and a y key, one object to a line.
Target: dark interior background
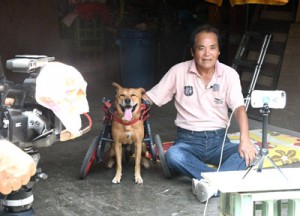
[{"x": 89, "y": 42}]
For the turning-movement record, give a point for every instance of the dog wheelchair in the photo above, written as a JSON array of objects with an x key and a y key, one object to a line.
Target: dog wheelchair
[{"x": 98, "y": 148}]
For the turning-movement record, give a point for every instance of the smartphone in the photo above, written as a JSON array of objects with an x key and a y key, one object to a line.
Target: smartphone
[{"x": 274, "y": 99}]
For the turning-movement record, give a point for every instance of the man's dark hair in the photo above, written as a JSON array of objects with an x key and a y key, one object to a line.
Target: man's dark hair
[{"x": 204, "y": 28}]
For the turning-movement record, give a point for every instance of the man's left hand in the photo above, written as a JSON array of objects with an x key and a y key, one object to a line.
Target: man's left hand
[{"x": 247, "y": 151}]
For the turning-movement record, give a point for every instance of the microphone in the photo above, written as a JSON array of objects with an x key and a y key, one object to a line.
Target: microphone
[{"x": 215, "y": 87}]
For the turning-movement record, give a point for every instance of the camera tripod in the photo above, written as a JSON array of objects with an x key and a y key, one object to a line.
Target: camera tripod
[{"x": 264, "y": 152}]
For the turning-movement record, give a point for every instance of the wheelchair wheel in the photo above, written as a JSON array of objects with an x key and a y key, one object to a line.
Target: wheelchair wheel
[
  {"x": 96, "y": 150},
  {"x": 89, "y": 158},
  {"x": 161, "y": 155}
]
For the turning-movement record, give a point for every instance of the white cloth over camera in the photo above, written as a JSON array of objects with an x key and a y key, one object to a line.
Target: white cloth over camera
[{"x": 62, "y": 89}]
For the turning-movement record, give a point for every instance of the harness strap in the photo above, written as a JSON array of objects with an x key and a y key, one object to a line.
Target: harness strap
[
  {"x": 115, "y": 118},
  {"x": 144, "y": 111},
  {"x": 109, "y": 110}
]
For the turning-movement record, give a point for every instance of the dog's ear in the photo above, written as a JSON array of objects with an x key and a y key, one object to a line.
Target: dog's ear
[
  {"x": 116, "y": 85},
  {"x": 142, "y": 90}
]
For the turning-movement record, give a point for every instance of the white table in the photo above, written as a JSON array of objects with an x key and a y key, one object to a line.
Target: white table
[{"x": 270, "y": 187}]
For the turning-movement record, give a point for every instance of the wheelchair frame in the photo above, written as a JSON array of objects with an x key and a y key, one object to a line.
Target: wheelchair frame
[{"x": 97, "y": 148}]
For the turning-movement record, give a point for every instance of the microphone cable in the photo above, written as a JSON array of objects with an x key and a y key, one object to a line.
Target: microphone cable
[{"x": 221, "y": 156}]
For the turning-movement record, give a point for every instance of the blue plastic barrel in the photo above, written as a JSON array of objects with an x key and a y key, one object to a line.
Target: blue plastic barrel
[{"x": 137, "y": 58}]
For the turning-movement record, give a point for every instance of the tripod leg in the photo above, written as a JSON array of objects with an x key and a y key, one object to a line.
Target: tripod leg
[
  {"x": 257, "y": 161},
  {"x": 248, "y": 170},
  {"x": 278, "y": 169},
  {"x": 260, "y": 164}
]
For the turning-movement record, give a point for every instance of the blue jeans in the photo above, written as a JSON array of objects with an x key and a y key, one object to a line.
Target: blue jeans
[{"x": 193, "y": 151}]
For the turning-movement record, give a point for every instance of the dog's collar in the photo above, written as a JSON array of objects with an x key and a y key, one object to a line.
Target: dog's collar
[{"x": 117, "y": 119}]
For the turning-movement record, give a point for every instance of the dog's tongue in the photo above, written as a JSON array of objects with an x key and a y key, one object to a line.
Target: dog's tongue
[{"x": 128, "y": 114}]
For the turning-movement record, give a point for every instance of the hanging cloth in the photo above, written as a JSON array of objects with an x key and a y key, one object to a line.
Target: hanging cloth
[
  {"x": 240, "y": 2},
  {"x": 62, "y": 89}
]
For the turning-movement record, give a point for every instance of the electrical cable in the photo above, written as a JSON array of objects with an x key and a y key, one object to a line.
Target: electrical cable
[
  {"x": 205, "y": 207},
  {"x": 221, "y": 156},
  {"x": 225, "y": 135}
]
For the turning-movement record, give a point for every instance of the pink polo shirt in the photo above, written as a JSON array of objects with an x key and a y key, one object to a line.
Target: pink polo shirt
[{"x": 199, "y": 108}]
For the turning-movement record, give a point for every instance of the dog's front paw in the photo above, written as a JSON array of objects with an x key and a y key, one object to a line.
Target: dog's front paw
[
  {"x": 116, "y": 180},
  {"x": 138, "y": 180}
]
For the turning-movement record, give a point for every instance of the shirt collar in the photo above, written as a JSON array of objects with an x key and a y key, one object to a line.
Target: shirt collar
[
  {"x": 192, "y": 67},
  {"x": 218, "y": 70}
]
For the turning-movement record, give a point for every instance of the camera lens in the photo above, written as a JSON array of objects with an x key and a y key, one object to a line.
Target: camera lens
[{"x": 19, "y": 201}]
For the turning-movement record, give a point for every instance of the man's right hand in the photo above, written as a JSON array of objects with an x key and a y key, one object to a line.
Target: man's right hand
[
  {"x": 146, "y": 98},
  {"x": 16, "y": 167}
]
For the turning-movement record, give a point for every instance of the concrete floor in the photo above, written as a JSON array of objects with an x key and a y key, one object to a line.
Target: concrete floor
[{"x": 64, "y": 194}]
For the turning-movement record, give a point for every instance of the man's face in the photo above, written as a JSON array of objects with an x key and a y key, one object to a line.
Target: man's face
[{"x": 206, "y": 50}]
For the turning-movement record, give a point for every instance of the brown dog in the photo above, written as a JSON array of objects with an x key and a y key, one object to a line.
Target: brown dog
[{"x": 127, "y": 128}]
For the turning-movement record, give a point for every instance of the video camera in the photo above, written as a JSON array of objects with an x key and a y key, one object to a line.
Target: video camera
[{"x": 25, "y": 123}]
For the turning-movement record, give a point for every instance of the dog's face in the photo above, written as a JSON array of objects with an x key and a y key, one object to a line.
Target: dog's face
[{"x": 128, "y": 101}]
